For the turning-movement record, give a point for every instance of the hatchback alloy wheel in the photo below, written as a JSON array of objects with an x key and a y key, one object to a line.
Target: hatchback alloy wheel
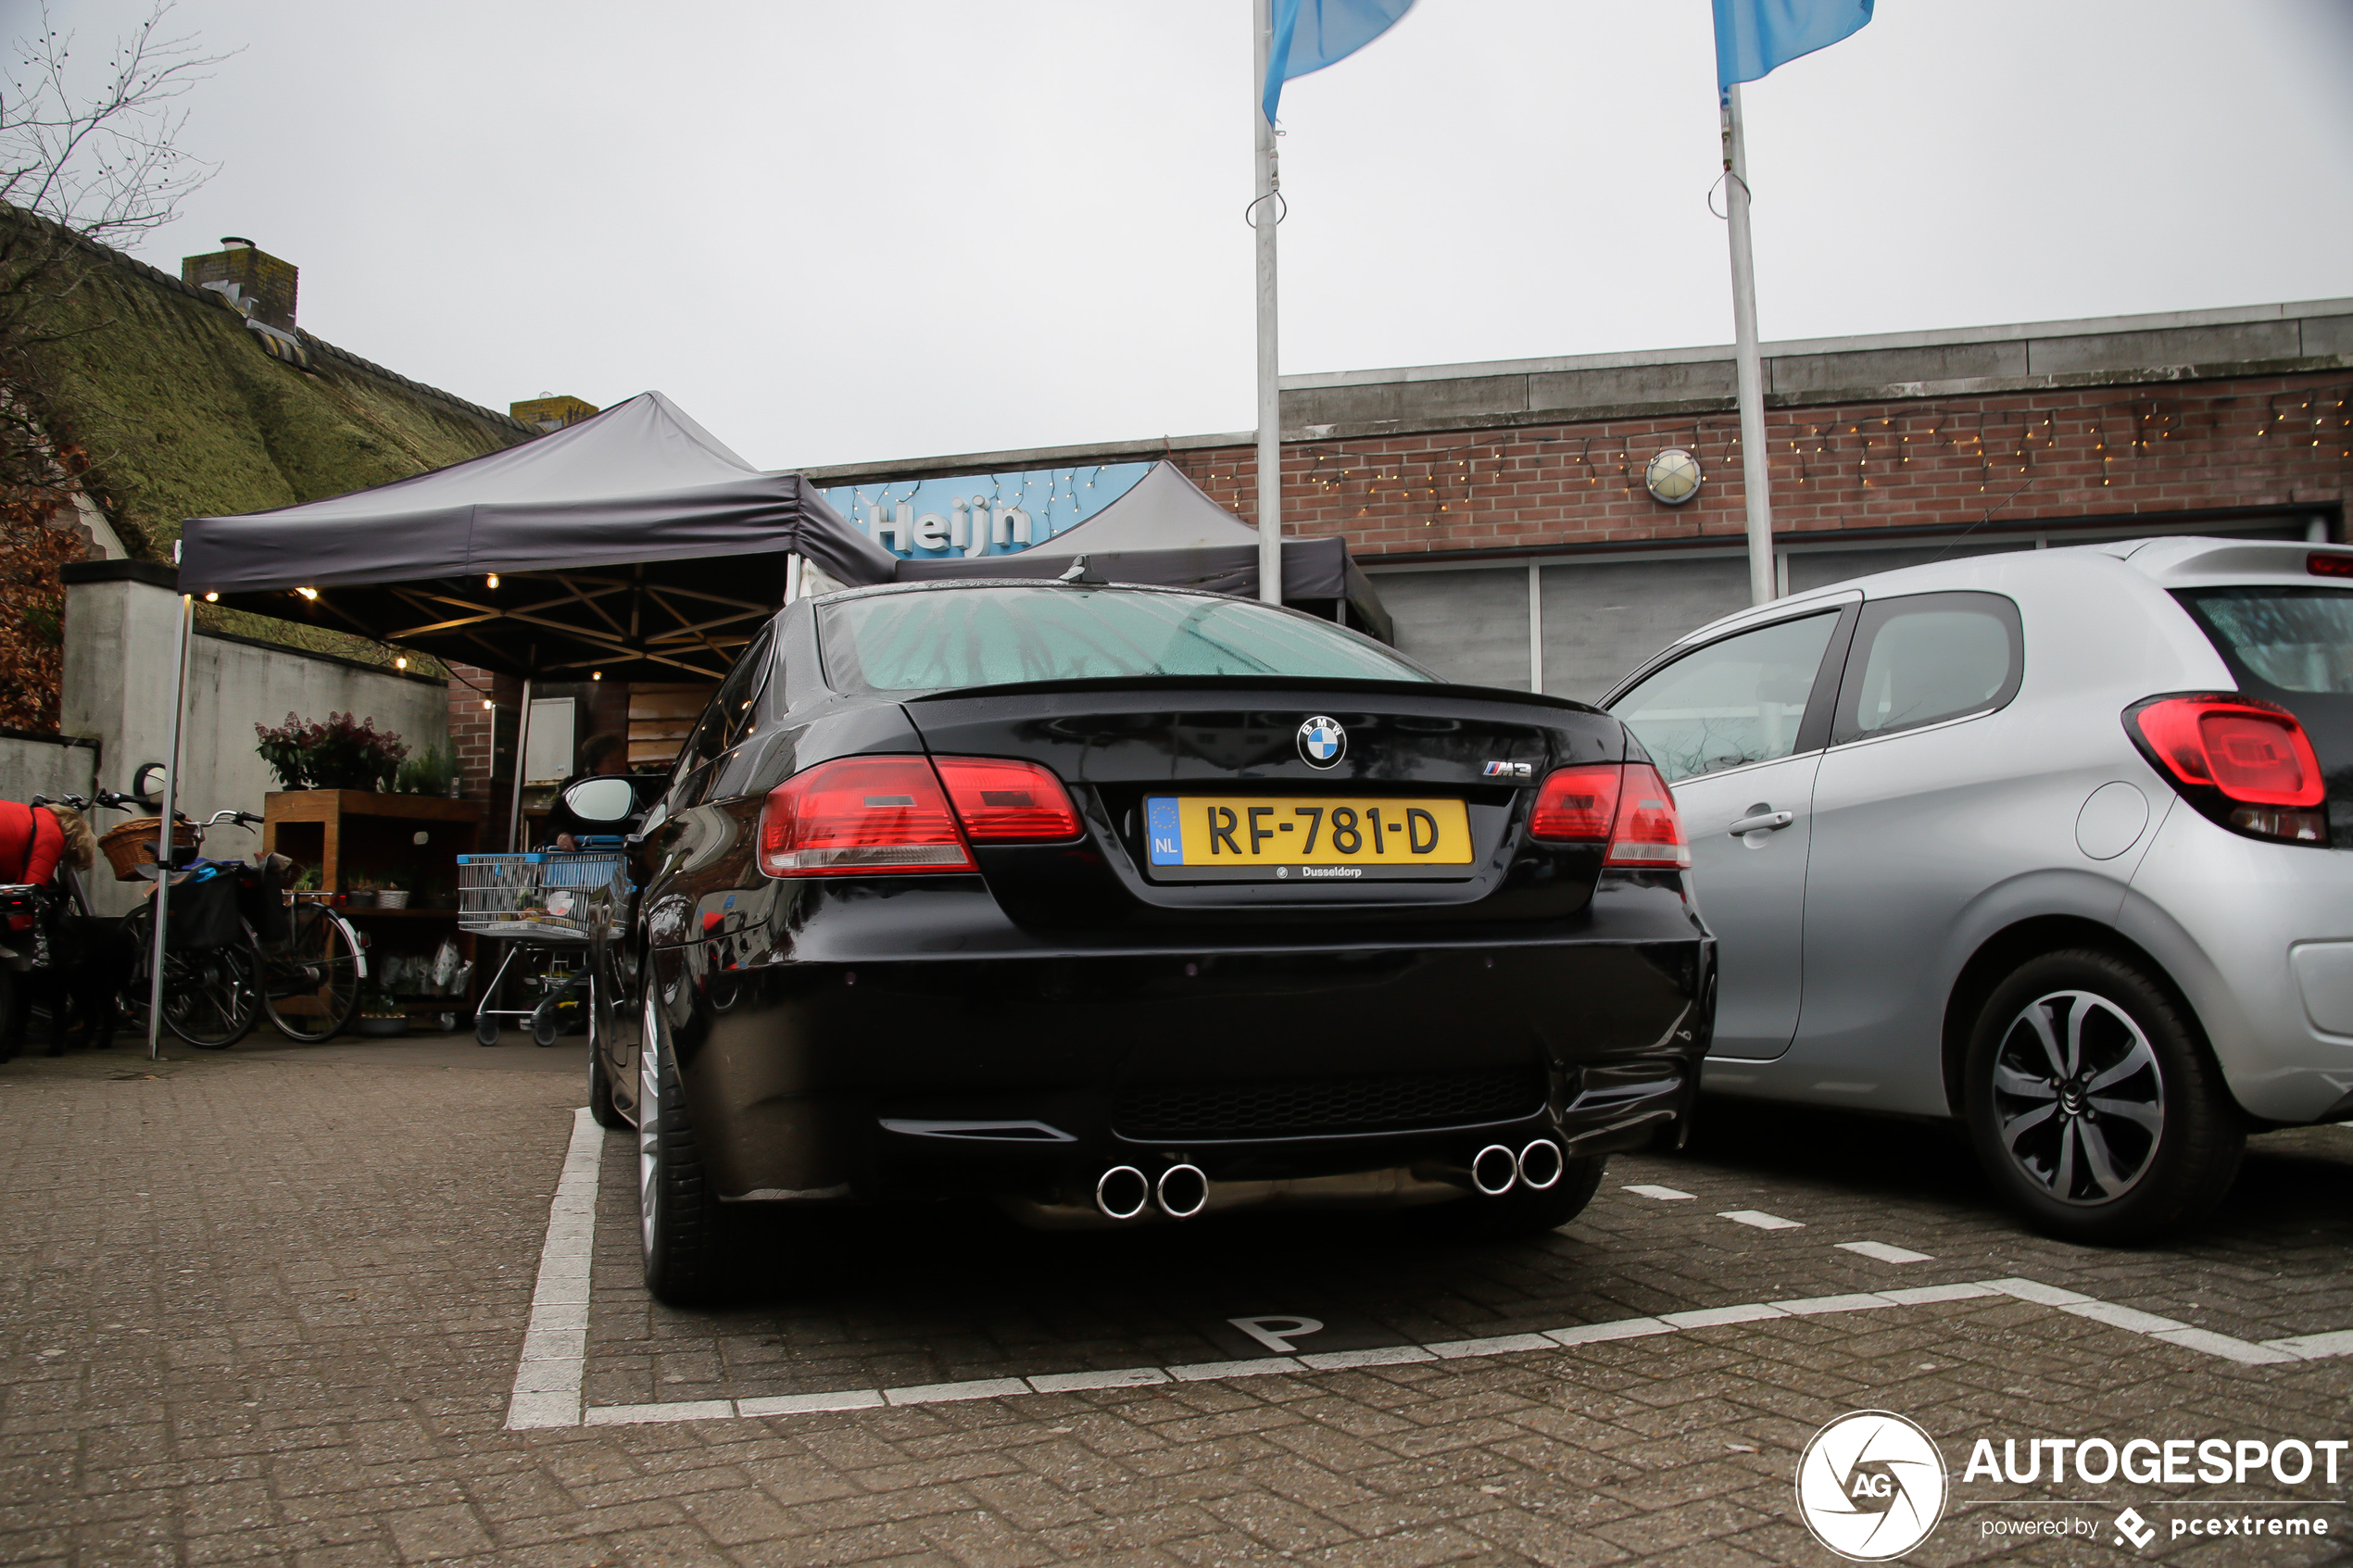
[
  {"x": 2092, "y": 1101},
  {"x": 2079, "y": 1097}
]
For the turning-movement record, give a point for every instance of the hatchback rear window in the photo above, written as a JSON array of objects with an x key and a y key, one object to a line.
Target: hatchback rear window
[
  {"x": 953, "y": 638},
  {"x": 2290, "y": 639},
  {"x": 2293, "y": 645}
]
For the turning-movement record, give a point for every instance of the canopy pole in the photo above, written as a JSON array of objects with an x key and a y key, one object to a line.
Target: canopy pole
[
  {"x": 522, "y": 743},
  {"x": 164, "y": 835},
  {"x": 792, "y": 577},
  {"x": 1748, "y": 366},
  {"x": 1263, "y": 218}
]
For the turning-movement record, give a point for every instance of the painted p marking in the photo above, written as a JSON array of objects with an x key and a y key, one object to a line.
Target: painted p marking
[{"x": 1277, "y": 1332}]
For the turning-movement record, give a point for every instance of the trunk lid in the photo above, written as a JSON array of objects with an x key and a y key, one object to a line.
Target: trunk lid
[{"x": 1131, "y": 747}]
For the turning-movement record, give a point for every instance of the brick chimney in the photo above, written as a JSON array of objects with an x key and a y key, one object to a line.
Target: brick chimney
[
  {"x": 255, "y": 282},
  {"x": 550, "y": 412}
]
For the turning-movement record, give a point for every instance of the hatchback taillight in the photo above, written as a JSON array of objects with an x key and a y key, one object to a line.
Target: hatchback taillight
[
  {"x": 1627, "y": 806},
  {"x": 2244, "y": 762},
  {"x": 866, "y": 816}
]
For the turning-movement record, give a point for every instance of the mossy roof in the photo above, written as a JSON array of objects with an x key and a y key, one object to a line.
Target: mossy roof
[{"x": 184, "y": 412}]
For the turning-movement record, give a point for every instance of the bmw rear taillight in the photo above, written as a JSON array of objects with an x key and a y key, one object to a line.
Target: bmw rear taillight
[
  {"x": 1001, "y": 801},
  {"x": 1577, "y": 805},
  {"x": 2246, "y": 764},
  {"x": 861, "y": 816},
  {"x": 1649, "y": 832},
  {"x": 868, "y": 816},
  {"x": 1628, "y": 806}
]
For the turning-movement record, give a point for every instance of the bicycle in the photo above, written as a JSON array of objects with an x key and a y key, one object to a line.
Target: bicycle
[{"x": 307, "y": 982}]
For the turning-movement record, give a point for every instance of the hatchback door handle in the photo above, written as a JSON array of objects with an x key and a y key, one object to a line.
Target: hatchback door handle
[{"x": 1764, "y": 821}]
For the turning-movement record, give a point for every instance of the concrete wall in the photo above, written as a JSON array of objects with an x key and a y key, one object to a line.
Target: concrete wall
[
  {"x": 1602, "y": 618},
  {"x": 1469, "y": 626},
  {"x": 31, "y": 765},
  {"x": 122, "y": 620}
]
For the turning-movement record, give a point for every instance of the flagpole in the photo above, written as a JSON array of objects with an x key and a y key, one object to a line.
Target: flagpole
[
  {"x": 1263, "y": 215},
  {"x": 1748, "y": 366}
]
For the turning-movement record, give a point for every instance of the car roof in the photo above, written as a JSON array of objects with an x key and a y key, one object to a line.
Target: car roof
[{"x": 2168, "y": 562}]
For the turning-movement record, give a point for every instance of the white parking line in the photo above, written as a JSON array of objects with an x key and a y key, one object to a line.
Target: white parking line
[
  {"x": 1666, "y": 1195},
  {"x": 547, "y": 1379},
  {"x": 1885, "y": 1253},
  {"x": 555, "y": 1342},
  {"x": 1761, "y": 1220}
]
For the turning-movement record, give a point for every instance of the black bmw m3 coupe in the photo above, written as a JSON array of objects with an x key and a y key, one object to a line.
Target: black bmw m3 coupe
[{"x": 1124, "y": 906}]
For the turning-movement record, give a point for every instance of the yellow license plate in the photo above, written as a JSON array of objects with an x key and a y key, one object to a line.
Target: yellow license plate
[{"x": 1241, "y": 830}]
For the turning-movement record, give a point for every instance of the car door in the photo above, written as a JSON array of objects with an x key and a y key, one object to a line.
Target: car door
[
  {"x": 1912, "y": 820},
  {"x": 1736, "y": 726}
]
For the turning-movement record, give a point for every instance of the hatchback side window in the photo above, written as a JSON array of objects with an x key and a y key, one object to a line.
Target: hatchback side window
[
  {"x": 1925, "y": 658},
  {"x": 1732, "y": 703}
]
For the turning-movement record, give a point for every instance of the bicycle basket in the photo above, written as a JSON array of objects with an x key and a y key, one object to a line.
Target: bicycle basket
[
  {"x": 203, "y": 914},
  {"x": 550, "y": 897}
]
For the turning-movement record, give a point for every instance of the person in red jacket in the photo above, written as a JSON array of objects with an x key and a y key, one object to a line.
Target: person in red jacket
[{"x": 32, "y": 841}]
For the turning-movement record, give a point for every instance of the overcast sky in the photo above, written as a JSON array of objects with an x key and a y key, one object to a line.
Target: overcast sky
[{"x": 840, "y": 232}]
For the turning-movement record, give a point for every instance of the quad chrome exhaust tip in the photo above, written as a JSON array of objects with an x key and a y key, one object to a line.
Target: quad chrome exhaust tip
[
  {"x": 1540, "y": 1164},
  {"x": 1122, "y": 1192},
  {"x": 1495, "y": 1170},
  {"x": 1183, "y": 1191}
]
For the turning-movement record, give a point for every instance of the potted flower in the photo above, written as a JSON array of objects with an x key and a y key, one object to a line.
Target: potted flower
[{"x": 346, "y": 752}]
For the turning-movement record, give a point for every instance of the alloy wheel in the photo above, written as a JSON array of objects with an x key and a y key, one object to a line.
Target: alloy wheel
[
  {"x": 2079, "y": 1099},
  {"x": 648, "y": 1119}
]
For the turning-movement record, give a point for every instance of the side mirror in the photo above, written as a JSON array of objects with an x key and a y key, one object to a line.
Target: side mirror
[{"x": 606, "y": 798}]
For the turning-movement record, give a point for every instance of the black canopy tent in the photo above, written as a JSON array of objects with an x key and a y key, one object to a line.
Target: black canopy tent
[
  {"x": 1167, "y": 530},
  {"x": 632, "y": 544}
]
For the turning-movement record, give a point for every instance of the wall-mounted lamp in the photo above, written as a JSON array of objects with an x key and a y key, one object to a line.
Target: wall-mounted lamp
[
  {"x": 308, "y": 593},
  {"x": 211, "y": 600},
  {"x": 494, "y": 580}
]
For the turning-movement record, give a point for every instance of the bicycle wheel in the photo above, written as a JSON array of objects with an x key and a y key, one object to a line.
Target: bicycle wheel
[
  {"x": 310, "y": 984},
  {"x": 211, "y": 1000}
]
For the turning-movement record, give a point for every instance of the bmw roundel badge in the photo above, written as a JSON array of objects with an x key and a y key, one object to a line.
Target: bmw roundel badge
[{"x": 1322, "y": 743}]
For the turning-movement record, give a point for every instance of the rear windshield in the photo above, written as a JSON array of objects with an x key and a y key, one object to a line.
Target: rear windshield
[
  {"x": 2294, "y": 646},
  {"x": 961, "y": 637},
  {"x": 2288, "y": 639}
]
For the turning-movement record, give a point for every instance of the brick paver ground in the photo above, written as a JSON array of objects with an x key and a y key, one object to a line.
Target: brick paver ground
[{"x": 265, "y": 1307}]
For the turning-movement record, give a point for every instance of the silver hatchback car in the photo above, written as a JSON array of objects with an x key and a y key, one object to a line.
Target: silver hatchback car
[{"x": 2056, "y": 842}]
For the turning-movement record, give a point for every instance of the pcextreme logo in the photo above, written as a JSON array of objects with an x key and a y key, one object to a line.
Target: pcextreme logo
[{"x": 1871, "y": 1486}]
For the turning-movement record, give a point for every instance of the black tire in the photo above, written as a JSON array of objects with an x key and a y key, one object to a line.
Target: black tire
[
  {"x": 1523, "y": 1212},
  {"x": 545, "y": 1026},
  {"x": 311, "y": 985},
  {"x": 679, "y": 1217},
  {"x": 486, "y": 1031},
  {"x": 2093, "y": 1103},
  {"x": 211, "y": 1000},
  {"x": 601, "y": 1109}
]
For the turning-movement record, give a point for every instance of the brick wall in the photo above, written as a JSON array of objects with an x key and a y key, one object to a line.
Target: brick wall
[
  {"x": 2096, "y": 453},
  {"x": 483, "y": 740}
]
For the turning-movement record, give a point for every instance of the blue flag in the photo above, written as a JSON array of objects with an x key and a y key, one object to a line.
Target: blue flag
[
  {"x": 1753, "y": 36},
  {"x": 1311, "y": 34}
]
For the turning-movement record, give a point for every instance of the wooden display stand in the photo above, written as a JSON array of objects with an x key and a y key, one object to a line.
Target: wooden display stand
[{"x": 347, "y": 833}]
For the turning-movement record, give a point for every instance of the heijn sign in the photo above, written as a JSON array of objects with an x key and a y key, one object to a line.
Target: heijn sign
[{"x": 989, "y": 514}]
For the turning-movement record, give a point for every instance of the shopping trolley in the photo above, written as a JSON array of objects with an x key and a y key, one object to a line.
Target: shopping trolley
[{"x": 551, "y": 902}]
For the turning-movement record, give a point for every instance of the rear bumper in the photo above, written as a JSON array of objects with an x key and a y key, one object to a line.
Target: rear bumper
[
  {"x": 1026, "y": 1077},
  {"x": 2253, "y": 934}
]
